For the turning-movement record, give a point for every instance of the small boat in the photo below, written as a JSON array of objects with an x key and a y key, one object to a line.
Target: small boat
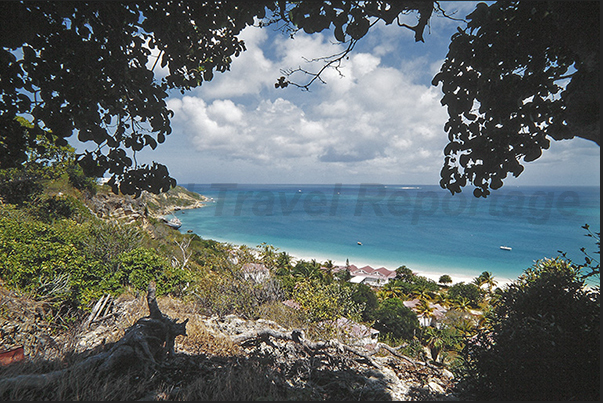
[
  {"x": 174, "y": 222},
  {"x": 506, "y": 248},
  {"x": 359, "y": 243}
]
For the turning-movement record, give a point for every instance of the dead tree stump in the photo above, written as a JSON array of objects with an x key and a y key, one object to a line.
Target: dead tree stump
[{"x": 149, "y": 340}]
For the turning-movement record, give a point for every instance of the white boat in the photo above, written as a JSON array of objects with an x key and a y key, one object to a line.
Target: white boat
[
  {"x": 506, "y": 248},
  {"x": 174, "y": 222}
]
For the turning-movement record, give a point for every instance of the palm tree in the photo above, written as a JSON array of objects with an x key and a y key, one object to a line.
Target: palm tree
[
  {"x": 268, "y": 254},
  {"x": 434, "y": 341},
  {"x": 466, "y": 327},
  {"x": 487, "y": 279},
  {"x": 385, "y": 292},
  {"x": 283, "y": 261},
  {"x": 442, "y": 299},
  {"x": 462, "y": 304},
  {"x": 392, "y": 290},
  {"x": 423, "y": 295},
  {"x": 425, "y": 310}
]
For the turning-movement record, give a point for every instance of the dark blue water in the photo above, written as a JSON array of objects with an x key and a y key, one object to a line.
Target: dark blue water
[{"x": 422, "y": 227}]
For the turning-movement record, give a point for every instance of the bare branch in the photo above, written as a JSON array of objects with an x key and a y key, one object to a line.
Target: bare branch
[
  {"x": 438, "y": 8},
  {"x": 333, "y": 61}
]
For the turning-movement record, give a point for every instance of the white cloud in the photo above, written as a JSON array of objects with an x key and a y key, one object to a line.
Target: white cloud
[
  {"x": 225, "y": 112},
  {"x": 374, "y": 122},
  {"x": 249, "y": 72}
]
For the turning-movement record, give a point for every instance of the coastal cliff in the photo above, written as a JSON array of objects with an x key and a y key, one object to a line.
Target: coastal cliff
[{"x": 106, "y": 204}]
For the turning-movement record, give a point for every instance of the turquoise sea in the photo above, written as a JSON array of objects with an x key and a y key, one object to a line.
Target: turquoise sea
[{"x": 423, "y": 227}]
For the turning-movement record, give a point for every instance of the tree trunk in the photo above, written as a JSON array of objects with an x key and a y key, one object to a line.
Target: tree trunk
[{"x": 149, "y": 340}]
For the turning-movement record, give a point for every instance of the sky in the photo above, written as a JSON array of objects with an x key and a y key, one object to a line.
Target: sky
[{"x": 376, "y": 120}]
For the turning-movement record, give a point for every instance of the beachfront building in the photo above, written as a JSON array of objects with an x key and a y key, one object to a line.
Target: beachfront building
[
  {"x": 433, "y": 318},
  {"x": 369, "y": 276}
]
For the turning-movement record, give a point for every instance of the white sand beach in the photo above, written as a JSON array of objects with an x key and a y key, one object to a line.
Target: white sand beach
[{"x": 431, "y": 273}]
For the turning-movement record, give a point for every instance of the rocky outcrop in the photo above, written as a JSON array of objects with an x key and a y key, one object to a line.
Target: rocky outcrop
[
  {"x": 23, "y": 325},
  {"x": 175, "y": 199},
  {"x": 129, "y": 209},
  {"x": 373, "y": 372},
  {"x": 120, "y": 207}
]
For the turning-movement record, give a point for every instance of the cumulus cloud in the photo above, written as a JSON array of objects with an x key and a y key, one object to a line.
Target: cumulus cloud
[
  {"x": 374, "y": 120},
  {"x": 367, "y": 117},
  {"x": 250, "y": 72}
]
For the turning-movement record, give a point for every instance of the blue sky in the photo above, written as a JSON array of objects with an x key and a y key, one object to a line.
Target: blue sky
[{"x": 379, "y": 121}]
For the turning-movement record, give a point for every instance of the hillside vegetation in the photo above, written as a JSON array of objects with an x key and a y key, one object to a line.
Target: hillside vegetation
[{"x": 76, "y": 263}]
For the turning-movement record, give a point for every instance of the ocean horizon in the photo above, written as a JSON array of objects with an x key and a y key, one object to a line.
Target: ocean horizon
[{"x": 423, "y": 227}]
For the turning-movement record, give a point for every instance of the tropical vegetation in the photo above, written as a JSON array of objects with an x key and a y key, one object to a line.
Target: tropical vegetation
[
  {"x": 536, "y": 338},
  {"x": 54, "y": 249}
]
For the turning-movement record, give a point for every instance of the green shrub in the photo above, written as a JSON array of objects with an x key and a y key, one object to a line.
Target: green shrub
[
  {"x": 44, "y": 259},
  {"x": 326, "y": 302},
  {"x": 50, "y": 208},
  {"x": 141, "y": 265},
  {"x": 544, "y": 342},
  {"x": 18, "y": 187},
  {"x": 50, "y": 260},
  {"x": 363, "y": 295},
  {"x": 106, "y": 240},
  {"x": 470, "y": 292},
  {"x": 394, "y": 319},
  {"x": 79, "y": 180}
]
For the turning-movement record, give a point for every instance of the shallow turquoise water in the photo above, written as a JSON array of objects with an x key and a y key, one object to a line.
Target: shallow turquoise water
[{"x": 422, "y": 227}]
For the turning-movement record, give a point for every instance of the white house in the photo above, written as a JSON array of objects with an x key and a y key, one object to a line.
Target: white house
[{"x": 370, "y": 276}]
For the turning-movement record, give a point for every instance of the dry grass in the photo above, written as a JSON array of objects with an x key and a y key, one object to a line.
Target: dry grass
[
  {"x": 285, "y": 316},
  {"x": 199, "y": 338},
  {"x": 207, "y": 366},
  {"x": 200, "y": 347}
]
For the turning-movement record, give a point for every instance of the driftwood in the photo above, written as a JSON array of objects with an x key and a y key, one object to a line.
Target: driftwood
[
  {"x": 149, "y": 340},
  {"x": 97, "y": 314},
  {"x": 13, "y": 355}
]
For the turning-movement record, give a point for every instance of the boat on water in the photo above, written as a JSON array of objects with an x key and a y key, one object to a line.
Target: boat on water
[
  {"x": 174, "y": 222},
  {"x": 506, "y": 247}
]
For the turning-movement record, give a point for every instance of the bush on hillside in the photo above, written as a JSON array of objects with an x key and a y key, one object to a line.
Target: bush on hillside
[
  {"x": 395, "y": 320},
  {"x": 544, "y": 342},
  {"x": 140, "y": 266},
  {"x": 470, "y": 292},
  {"x": 18, "y": 187}
]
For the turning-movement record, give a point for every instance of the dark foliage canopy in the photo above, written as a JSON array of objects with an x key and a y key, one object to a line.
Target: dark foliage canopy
[
  {"x": 395, "y": 319},
  {"x": 522, "y": 73},
  {"x": 544, "y": 341},
  {"x": 86, "y": 68}
]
